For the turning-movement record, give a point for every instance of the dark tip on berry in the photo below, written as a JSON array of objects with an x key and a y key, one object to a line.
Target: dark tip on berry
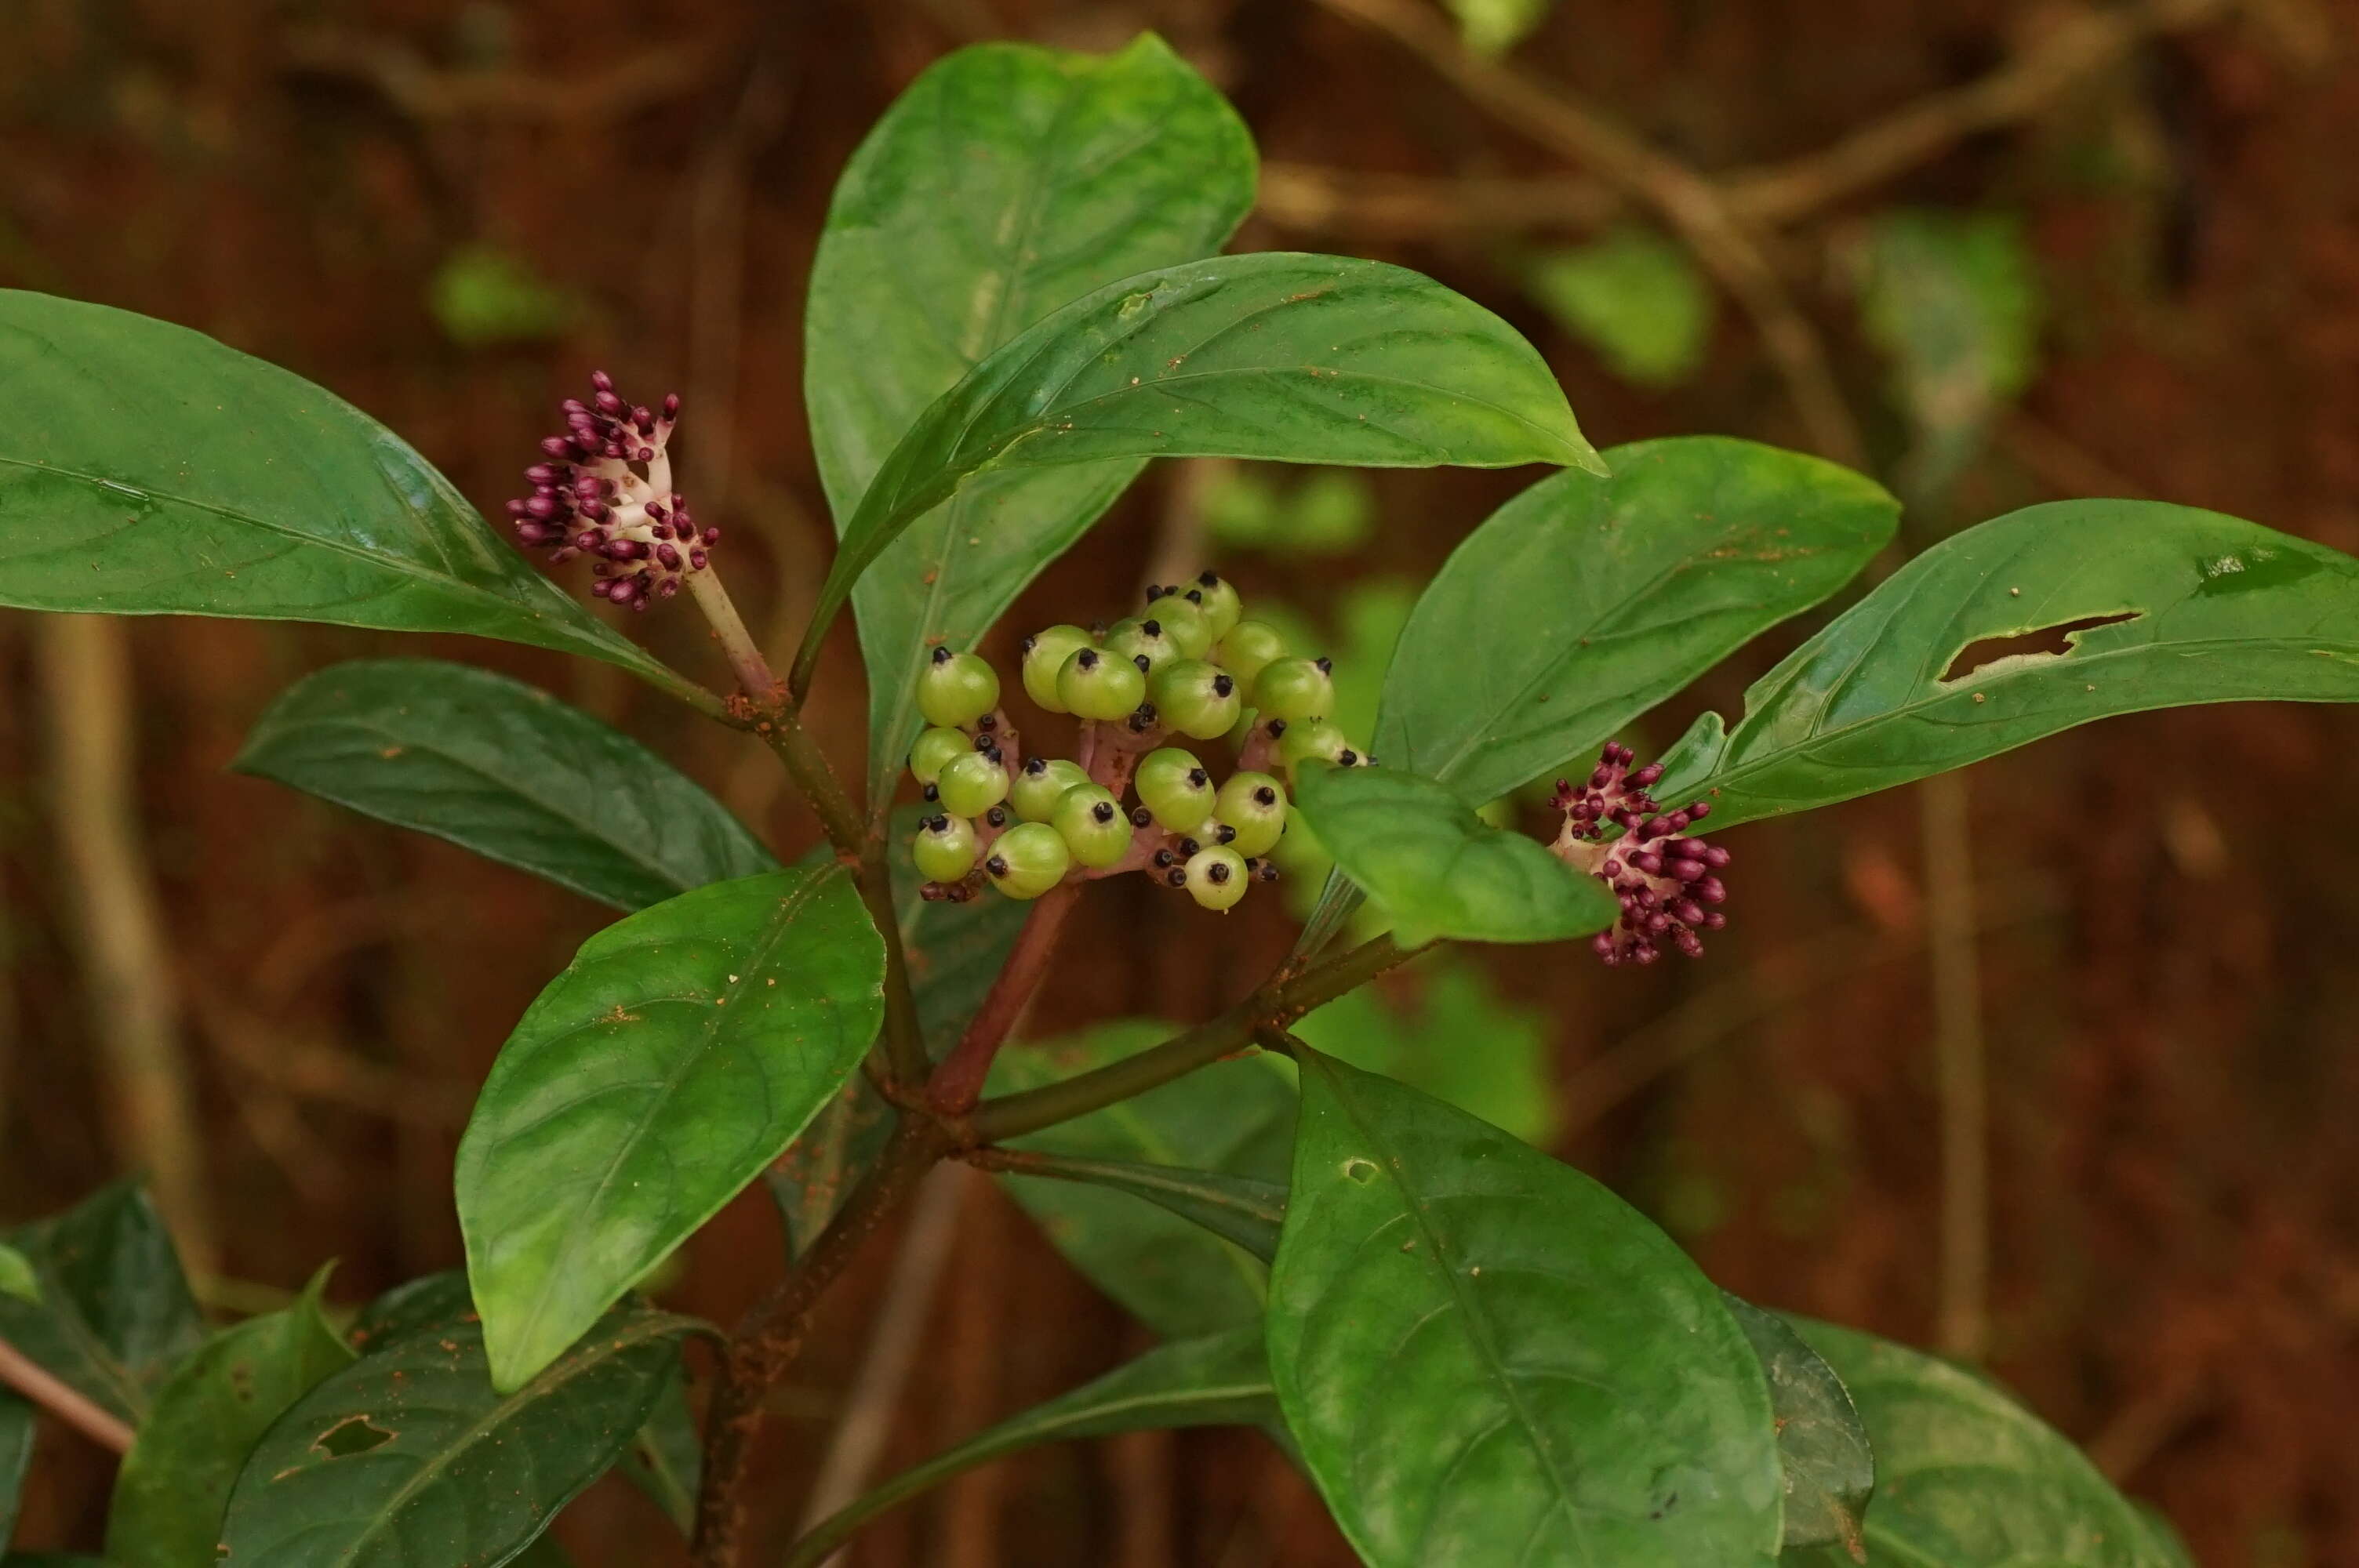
[
  {"x": 1223, "y": 684},
  {"x": 1209, "y": 579},
  {"x": 941, "y": 654},
  {"x": 1264, "y": 870},
  {"x": 1087, "y": 658},
  {"x": 1140, "y": 816},
  {"x": 1228, "y": 834},
  {"x": 1155, "y": 591},
  {"x": 1177, "y": 876},
  {"x": 1348, "y": 757},
  {"x": 1152, "y": 628},
  {"x": 1190, "y": 848},
  {"x": 1198, "y": 778},
  {"x": 1027, "y": 646},
  {"x": 1266, "y": 796},
  {"x": 1217, "y": 872},
  {"x": 985, "y": 744},
  {"x": 988, "y": 722},
  {"x": 1164, "y": 857},
  {"x": 1195, "y": 596},
  {"x": 1103, "y": 811},
  {"x": 1274, "y": 728},
  {"x": 997, "y": 816},
  {"x": 1142, "y": 661},
  {"x": 932, "y": 793},
  {"x": 1326, "y": 665},
  {"x": 997, "y": 865},
  {"x": 1036, "y": 767}
]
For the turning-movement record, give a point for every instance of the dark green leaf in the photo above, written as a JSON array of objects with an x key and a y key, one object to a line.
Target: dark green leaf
[
  {"x": 1235, "y": 1209},
  {"x": 409, "y": 1457},
  {"x": 1441, "y": 871},
  {"x": 18, "y": 1425},
  {"x": 114, "y": 1314},
  {"x": 175, "y": 1482},
  {"x": 1233, "y": 1118},
  {"x": 1489, "y": 1359},
  {"x": 1967, "y": 1478},
  {"x": 2218, "y": 610},
  {"x": 1821, "y": 1442},
  {"x": 1220, "y": 1379},
  {"x": 1303, "y": 358},
  {"x": 1006, "y": 180},
  {"x": 148, "y": 468},
  {"x": 667, "y": 1458},
  {"x": 677, "y": 1055},
  {"x": 506, "y": 769},
  {"x": 409, "y": 1307}
]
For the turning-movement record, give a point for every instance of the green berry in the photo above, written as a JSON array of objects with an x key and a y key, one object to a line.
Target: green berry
[
  {"x": 1028, "y": 859},
  {"x": 1199, "y": 700},
  {"x": 1294, "y": 689},
  {"x": 1249, "y": 648},
  {"x": 1091, "y": 822},
  {"x": 1175, "y": 788},
  {"x": 945, "y": 848},
  {"x": 1036, "y": 786},
  {"x": 1183, "y": 623},
  {"x": 972, "y": 785},
  {"x": 956, "y": 688},
  {"x": 1045, "y": 654},
  {"x": 1255, "y": 804},
  {"x": 1217, "y": 877},
  {"x": 1135, "y": 639},
  {"x": 1217, "y": 596},
  {"x": 935, "y": 748},
  {"x": 1096, "y": 685},
  {"x": 1312, "y": 741}
]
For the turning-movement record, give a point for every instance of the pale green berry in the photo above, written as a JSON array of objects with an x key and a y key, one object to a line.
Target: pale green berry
[
  {"x": 1135, "y": 639},
  {"x": 1217, "y": 597},
  {"x": 1217, "y": 877},
  {"x": 1174, "y": 787},
  {"x": 1249, "y": 648},
  {"x": 1197, "y": 699},
  {"x": 1313, "y": 741},
  {"x": 1038, "y": 785},
  {"x": 972, "y": 785},
  {"x": 945, "y": 848},
  {"x": 1045, "y": 654},
  {"x": 956, "y": 688},
  {"x": 936, "y": 747},
  {"x": 1183, "y": 623},
  {"x": 1255, "y": 804},
  {"x": 1096, "y": 685},
  {"x": 1092, "y": 824},
  {"x": 1028, "y": 859},
  {"x": 1294, "y": 690}
]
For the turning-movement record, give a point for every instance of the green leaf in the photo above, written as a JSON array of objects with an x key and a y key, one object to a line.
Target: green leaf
[
  {"x": 1220, "y": 1380},
  {"x": 409, "y": 1307},
  {"x": 148, "y": 470},
  {"x": 410, "y": 1456},
  {"x": 1441, "y": 871},
  {"x": 676, "y": 1056},
  {"x": 113, "y": 1313},
  {"x": 506, "y": 769},
  {"x": 1968, "y": 1478},
  {"x": 1822, "y": 1442},
  {"x": 19, "y": 1426},
  {"x": 1633, "y": 295},
  {"x": 667, "y": 1459},
  {"x": 1489, "y": 1359},
  {"x": 1461, "y": 1041},
  {"x": 1235, "y": 1209},
  {"x": 1583, "y": 602},
  {"x": 1233, "y": 1117},
  {"x": 2217, "y": 610},
  {"x": 1303, "y": 358},
  {"x": 175, "y": 1482},
  {"x": 1006, "y": 180},
  {"x": 16, "y": 1276}
]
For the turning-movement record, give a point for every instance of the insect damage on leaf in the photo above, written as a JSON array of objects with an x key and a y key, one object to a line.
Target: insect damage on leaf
[
  {"x": 2016, "y": 649},
  {"x": 354, "y": 1434}
]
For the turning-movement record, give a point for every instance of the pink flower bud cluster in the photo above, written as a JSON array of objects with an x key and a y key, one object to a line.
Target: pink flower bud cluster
[
  {"x": 604, "y": 490},
  {"x": 1615, "y": 831}
]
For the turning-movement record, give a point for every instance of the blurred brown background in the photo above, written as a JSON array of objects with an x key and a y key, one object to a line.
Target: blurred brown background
[{"x": 448, "y": 210}]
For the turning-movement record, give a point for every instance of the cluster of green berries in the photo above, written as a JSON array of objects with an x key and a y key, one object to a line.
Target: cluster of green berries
[{"x": 1190, "y": 666}]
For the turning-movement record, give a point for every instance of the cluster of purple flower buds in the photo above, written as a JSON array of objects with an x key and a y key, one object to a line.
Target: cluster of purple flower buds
[
  {"x": 604, "y": 490},
  {"x": 1616, "y": 832}
]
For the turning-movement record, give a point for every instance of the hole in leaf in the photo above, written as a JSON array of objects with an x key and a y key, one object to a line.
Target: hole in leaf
[
  {"x": 2047, "y": 641},
  {"x": 1360, "y": 1171},
  {"x": 352, "y": 1435}
]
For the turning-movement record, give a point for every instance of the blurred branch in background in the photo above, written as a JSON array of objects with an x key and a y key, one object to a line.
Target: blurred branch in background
[
  {"x": 639, "y": 78},
  {"x": 117, "y": 922}
]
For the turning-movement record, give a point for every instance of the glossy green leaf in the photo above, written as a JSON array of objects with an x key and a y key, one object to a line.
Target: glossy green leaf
[
  {"x": 667, "y": 1459},
  {"x": 1234, "y": 1118},
  {"x": 506, "y": 769},
  {"x": 19, "y": 1424},
  {"x": 1006, "y": 180},
  {"x": 675, "y": 1057},
  {"x": 1220, "y": 1380},
  {"x": 176, "y": 1481},
  {"x": 149, "y": 470},
  {"x": 1968, "y": 1478},
  {"x": 17, "y": 1278},
  {"x": 113, "y": 1314},
  {"x": 409, "y": 1307},
  {"x": 1822, "y": 1442},
  {"x": 409, "y": 1457},
  {"x": 2218, "y": 610},
  {"x": 1235, "y": 1209},
  {"x": 1441, "y": 871},
  {"x": 1489, "y": 1359},
  {"x": 1302, "y": 358},
  {"x": 1633, "y": 294}
]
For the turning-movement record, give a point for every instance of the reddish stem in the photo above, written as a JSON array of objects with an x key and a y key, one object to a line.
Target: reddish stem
[{"x": 957, "y": 1084}]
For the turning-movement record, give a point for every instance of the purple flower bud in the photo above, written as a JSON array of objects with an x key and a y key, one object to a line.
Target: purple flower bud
[
  {"x": 558, "y": 447},
  {"x": 668, "y": 556}
]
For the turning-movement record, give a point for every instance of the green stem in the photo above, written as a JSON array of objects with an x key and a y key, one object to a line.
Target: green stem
[{"x": 744, "y": 654}]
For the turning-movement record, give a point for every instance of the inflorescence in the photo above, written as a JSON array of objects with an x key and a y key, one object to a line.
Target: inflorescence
[
  {"x": 1188, "y": 668},
  {"x": 1615, "y": 831},
  {"x": 604, "y": 490}
]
